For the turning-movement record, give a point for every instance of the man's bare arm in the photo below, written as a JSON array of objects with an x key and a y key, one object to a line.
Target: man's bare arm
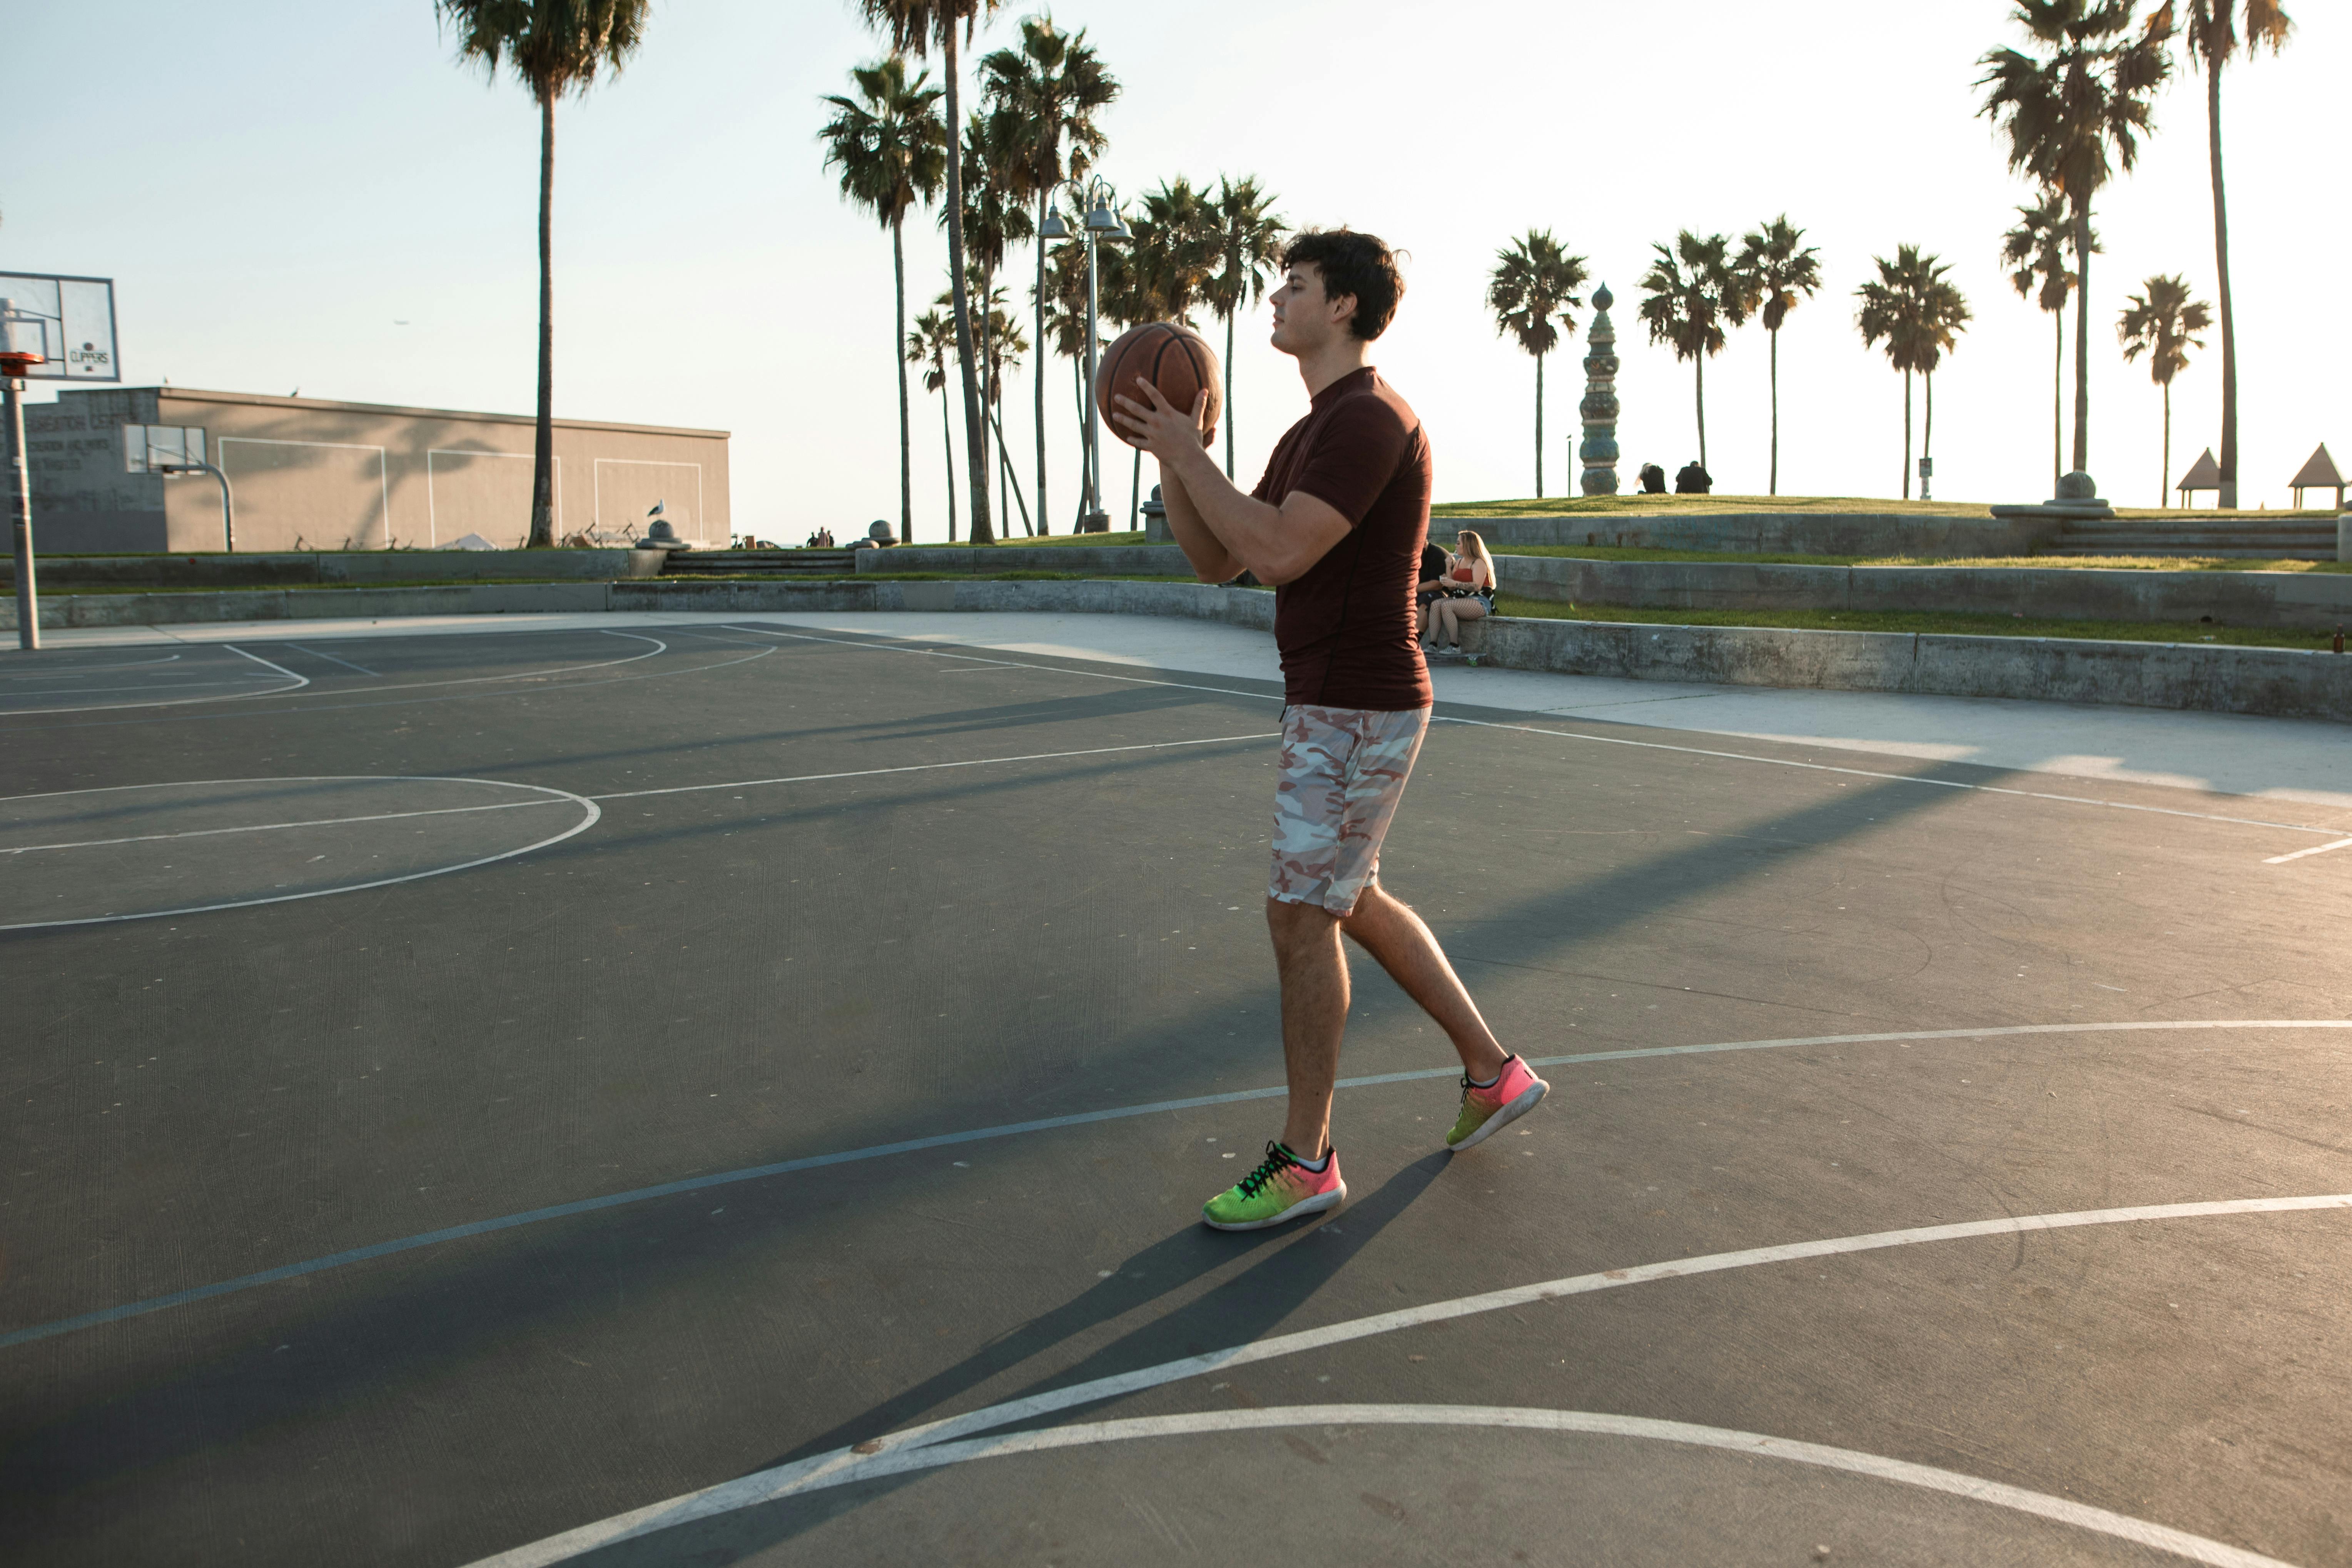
[
  {"x": 1277, "y": 544},
  {"x": 1211, "y": 561}
]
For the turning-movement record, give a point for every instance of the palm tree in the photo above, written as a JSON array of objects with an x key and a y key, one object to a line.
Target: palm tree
[
  {"x": 1913, "y": 306},
  {"x": 1531, "y": 292},
  {"x": 891, "y": 150},
  {"x": 2163, "y": 324},
  {"x": 2036, "y": 252},
  {"x": 2213, "y": 38},
  {"x": 930, "y": 344},
  {"x": 2062, "y": 114},
  {"x": 914, "y": 27},
  {"x": 1782, "y": 271},
  {"x": 1249, "y": 249},
  {"x": 1003, "y": 344},
  {"x": 1693, "y": 293},
  {"x": 554, "y": 46},
  {"x": 1052, "y": 87},
  {"x": 1166, "y": 274},
  {"x": 993, "y": 221}
]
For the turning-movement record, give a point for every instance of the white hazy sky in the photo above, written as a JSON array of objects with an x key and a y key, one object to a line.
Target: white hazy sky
[{"x": 275, "y": 188}]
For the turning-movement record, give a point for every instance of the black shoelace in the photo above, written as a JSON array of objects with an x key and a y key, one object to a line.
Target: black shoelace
[{"x": 1276, "y": 1157}]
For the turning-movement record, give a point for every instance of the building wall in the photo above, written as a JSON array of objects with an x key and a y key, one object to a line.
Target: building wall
[{"x": 309, "y": 474}]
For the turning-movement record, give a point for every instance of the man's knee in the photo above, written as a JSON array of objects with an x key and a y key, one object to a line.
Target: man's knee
[{"x": 1297, "y": 928}]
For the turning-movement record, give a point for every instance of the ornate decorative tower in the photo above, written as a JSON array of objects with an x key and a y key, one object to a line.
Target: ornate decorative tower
[{"x": 1599, "y": 409}]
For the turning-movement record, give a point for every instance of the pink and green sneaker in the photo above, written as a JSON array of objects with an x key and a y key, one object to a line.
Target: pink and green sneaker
[
  {"x": 1280, "y": 1189},
  {"x": 1486, "y": 1111}
]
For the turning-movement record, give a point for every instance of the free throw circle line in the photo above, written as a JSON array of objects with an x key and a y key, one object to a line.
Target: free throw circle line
[
  {"x": 842, "y": 1465},
  {"x": 279, "y": 827},
  {"x": 985, "y": 1134},
  {"x": 96, "y": 669},
  {"x": 1593, "y": 1424},
  {"x": 589, "y": 813}
]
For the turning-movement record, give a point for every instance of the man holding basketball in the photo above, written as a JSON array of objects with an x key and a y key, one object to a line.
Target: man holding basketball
[{"x": 1337, "y": 527}]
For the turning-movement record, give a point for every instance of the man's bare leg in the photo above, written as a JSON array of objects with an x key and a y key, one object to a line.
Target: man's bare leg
[
  {"x": 1314, "y": 975},
  {"x": 1387, "y": 928}
]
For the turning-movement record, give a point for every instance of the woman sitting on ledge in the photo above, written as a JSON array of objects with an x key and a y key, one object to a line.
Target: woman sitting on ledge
[{"x": 1468, "y": 593}]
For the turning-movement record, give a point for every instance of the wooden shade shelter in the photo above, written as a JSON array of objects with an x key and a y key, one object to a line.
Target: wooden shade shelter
[
  {"x": 2319, "y": 474},
  {"x": 2204, "y": 474}
]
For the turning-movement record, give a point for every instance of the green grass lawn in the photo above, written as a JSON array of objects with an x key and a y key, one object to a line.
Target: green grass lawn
[
  {"x": 2060, "y": 563},
  {"x": 1919, "y": 621},
  {"x": 1672, "y": 505}
]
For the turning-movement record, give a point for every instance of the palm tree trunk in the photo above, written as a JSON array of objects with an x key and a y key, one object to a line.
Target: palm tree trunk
[
  {"x": 1700, "y": 360},
  {"x": 1538, "y": 427},
  {"x": 2058, "y": 399},
  {"x": 543, "y": 441},
  {"x": 987, "y": 385},
  {"x": 1135, "y": 493},
  {"x": 1928, "y": 435},
  {"x": 1005, "y": 464},
  {"x": 946, "y": 441},
  {"x": 899, "y": 353},
  {"x": 1907, "y": 435},
  {"x": 975, "y": 447},
  {"x": 2082, "y": 337},
  {"x": 1775, "y": 412},
  {"x": 1044, "y": 205},
  {"x": 2164, "y": 479},
  {"x": 1229, "y": 390},
  {"x": 1085, "y": 461},
  {"x": 2229, "y": 495}
]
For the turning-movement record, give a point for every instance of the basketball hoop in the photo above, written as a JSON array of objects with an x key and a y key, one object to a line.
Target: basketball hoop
[{"x": 23, "y": 342}]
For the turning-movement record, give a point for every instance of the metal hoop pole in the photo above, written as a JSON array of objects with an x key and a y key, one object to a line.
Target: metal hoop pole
[{"x": 20, "y": 507}]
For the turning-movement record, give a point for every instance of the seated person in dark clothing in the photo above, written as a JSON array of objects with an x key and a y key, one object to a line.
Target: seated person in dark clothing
[
  {"x": 1693, "y": 481},
  {"x": 1430, "y": 583},
  {"x": 1653, "y": 480}
]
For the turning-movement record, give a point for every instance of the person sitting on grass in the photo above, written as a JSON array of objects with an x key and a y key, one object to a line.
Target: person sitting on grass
[
  {"x": 1468, "y": 592},
  {"x": 1693, "y": 481}
]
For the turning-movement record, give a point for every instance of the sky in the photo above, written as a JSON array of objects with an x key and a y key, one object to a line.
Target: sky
[{"x": 294, "y": 196}]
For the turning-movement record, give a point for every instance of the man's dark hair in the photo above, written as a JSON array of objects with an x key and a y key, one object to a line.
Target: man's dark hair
[{"x": 1352, "y": 263}]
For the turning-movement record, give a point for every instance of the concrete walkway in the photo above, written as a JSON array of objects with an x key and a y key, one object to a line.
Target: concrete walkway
[{"x": 2281, "y": 759}]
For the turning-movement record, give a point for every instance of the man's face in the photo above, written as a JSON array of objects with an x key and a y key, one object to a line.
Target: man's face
[{"x": 1305, "y": 318}]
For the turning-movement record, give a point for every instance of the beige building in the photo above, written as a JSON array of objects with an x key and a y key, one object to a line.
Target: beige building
[{"x": 308, "y": 474}]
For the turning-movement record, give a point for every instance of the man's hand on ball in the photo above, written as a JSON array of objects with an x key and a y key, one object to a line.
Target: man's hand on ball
[{"x": 1160, "y": 427}]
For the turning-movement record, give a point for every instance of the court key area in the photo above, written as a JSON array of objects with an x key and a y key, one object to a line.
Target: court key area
[{"x": 676, "y": 1091}]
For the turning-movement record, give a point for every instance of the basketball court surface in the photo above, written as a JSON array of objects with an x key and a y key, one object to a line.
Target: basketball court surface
[{"x": 666, "y": 1090}]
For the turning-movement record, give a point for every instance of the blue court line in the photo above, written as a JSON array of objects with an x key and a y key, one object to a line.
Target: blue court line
[{"x": 1077, "y": 1119}]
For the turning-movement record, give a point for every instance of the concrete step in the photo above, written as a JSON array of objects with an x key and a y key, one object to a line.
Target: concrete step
[
  {"x": 764, "y": 563},
  {"x": 2273, "y": 553}
]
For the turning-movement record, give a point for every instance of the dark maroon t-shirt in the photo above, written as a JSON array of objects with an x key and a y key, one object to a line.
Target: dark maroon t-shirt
[{"x": 1346, "y": 627}]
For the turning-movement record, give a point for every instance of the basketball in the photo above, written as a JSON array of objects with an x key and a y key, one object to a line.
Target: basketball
[{"x": 1175, "y": 359}]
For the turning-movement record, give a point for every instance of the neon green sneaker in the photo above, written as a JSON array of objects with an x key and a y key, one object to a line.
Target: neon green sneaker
[
  {"x": 1280, "y": 1189},
  {"x": 1487, "y": 1111}
]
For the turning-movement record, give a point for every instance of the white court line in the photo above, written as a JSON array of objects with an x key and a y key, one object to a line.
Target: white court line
[
  {"x": 1012, "y": 1130},
  {"x": 331, "y": 658},
  {"x": 842, "y": 1465},
  {"x": 659, "y": 648},
  {"x": 97, "y": 669},
  {"x": 589, "y": 813},
  {"x": 929, "y": 767},
  {"x": 1618, "y": 740},
  {"x": 299, "y": 681},
  {"x": 278, "y": 826},
  {"x": 237, "y": 678},
  {"x": 1591, "y": 1424},
  {"x": 2314, "y": 849}
]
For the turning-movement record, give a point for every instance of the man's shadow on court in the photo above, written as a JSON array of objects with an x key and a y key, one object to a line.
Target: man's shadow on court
[{"x": 1236, "y": 1312}]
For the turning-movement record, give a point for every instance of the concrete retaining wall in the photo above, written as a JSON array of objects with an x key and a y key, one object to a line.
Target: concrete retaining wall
[
  {"x": 1767, "y": 532},
  {"x": 330, "y": 566},
  {"x": 1108, "y": 559},
  {"x": 2316, "y": 601},
  {"x": 2284, "y": 682}
]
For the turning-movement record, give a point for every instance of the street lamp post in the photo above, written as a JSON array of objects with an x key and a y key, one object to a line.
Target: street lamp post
[{"x": 1102, "y": 222}]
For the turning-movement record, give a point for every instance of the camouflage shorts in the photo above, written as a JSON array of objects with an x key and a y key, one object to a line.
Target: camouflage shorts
[{"x": 1343, "y": 772}]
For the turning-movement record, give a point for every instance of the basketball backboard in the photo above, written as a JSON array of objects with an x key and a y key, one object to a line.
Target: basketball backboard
[
  {"x": 157, "y": 448},
  {"x": 69, "y": 321}
]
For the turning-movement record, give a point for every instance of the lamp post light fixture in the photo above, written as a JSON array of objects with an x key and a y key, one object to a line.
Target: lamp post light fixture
[{"x": 1101, "y": 223}]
